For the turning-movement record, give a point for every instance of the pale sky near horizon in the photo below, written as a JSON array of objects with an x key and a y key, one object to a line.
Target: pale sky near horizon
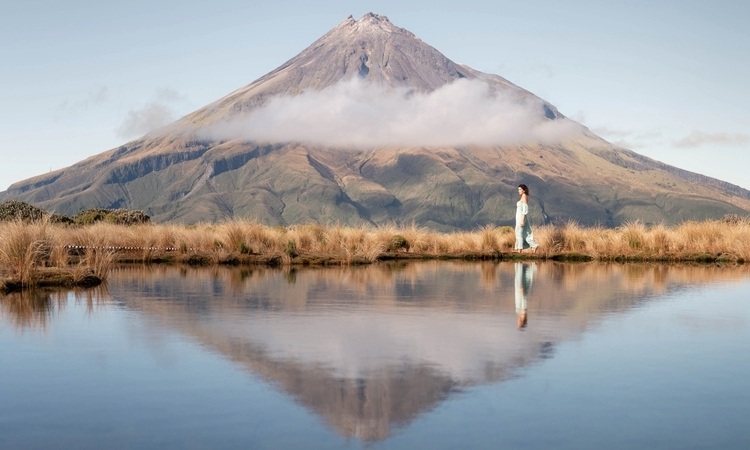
[{"x": 665, "y": 79}]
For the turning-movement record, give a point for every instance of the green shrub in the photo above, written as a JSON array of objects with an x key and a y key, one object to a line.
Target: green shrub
[
  {"x": 399, "y": 243},
  {"x": 113, "y": 216},
  {"x": 291, "y": 249}
]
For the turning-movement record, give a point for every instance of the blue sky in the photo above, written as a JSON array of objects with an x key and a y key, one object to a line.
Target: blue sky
[{"x": 666, "y": 79}]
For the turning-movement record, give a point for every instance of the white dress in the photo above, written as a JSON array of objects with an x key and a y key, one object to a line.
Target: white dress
[{"x": 524, "y": 235}]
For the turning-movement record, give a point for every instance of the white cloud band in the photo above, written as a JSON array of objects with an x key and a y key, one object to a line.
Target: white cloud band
[{"x": 355, "y": 114}]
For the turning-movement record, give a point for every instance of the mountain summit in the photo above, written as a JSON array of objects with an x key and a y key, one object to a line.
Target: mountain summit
[
  {"x": 371, "y": 49},
  {"x": 370, "y": 125}
]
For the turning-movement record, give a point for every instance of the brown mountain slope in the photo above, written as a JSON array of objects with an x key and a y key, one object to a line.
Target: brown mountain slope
[{"x": 234, "y": 159}]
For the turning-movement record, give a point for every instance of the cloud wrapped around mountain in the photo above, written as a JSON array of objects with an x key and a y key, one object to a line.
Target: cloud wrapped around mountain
[{"x": 356, "y": 114}]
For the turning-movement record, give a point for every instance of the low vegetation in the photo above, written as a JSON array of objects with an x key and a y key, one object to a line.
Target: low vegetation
[
  {"x": 43, "y": 252},
  {"x": 14, "y": 210}
]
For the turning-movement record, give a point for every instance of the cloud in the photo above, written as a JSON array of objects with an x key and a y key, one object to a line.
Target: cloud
[
  {"x": 629, "y": 138},
  {"x": 155, "y": 114},
  {"x": 699, "y": 138},
  {"x": 96, "y": 97},
  {"x": 356, "y": 114}
]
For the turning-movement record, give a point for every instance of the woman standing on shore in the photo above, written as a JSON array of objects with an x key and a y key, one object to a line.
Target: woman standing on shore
[{"x": 524, "y": 235}]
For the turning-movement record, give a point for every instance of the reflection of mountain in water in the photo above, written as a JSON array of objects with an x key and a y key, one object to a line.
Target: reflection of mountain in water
[
  {"x": 363, "y": 407},
  {"x": 372, "y": 348}
]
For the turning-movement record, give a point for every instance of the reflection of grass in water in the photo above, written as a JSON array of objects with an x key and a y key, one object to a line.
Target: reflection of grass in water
[
  {"x": 381, "y": 278},
  {"x": 28, "y": 309},
  {"x": 34, "y": 308}
]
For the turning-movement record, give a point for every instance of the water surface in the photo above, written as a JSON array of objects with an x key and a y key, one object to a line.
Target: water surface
[{"x": 418, "y": 355}]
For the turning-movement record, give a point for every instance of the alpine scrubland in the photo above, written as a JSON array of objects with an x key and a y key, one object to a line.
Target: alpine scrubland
[{"x": 41, "y": 253}]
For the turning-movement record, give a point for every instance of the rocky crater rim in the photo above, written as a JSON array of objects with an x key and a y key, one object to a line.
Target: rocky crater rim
[{"x": 370, "y": 22}]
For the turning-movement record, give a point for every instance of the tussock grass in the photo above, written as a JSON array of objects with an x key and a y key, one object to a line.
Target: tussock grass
[
  {"x": 22, "y": 250},
  {"x": 26, "y": 249},
  {"x": 631, "y": 241}
]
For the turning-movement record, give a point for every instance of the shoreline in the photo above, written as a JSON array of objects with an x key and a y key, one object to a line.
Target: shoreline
[
  {"x": 312, "y": 259},
  {"x": 51, "y": 278},
  {"x": 43, "y": 254},
  {"x": 72, "y": 278}
]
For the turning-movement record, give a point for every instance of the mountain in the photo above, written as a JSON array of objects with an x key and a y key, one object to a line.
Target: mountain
[{"x": 370, "y": 125}]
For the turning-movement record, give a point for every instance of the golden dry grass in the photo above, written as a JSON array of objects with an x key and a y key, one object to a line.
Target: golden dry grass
[
  {"x": 630, "y": 241},
  {"x": 26, "y": 248},
  {"x": 687, "y": 241}
]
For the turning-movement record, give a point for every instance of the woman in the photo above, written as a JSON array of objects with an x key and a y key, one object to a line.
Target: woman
[{"x": 524, "y": 236}]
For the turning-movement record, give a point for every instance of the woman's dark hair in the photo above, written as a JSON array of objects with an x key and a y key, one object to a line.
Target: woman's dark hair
[{"x": 524, "y": 188}]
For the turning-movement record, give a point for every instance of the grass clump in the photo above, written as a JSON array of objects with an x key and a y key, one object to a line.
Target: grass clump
[
  {"x": 34, "y": 254},
  {"x": 23, "y": 250}
]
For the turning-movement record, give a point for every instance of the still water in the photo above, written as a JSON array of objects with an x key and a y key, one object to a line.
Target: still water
[{"x": 439, "y": 355}]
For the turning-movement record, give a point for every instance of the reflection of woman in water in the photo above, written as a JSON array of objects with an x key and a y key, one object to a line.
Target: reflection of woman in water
[
  {"x": 524, "y": 236},
  {"x": 524, "y": 277}
]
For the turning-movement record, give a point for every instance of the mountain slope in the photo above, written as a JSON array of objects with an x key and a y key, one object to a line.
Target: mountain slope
[{"x": 234, "y": 159}]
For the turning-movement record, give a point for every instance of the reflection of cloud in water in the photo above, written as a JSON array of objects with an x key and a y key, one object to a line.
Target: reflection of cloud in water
[
  {"x": 355, "y": 345},
  {"x": 373, "y": 347}
]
